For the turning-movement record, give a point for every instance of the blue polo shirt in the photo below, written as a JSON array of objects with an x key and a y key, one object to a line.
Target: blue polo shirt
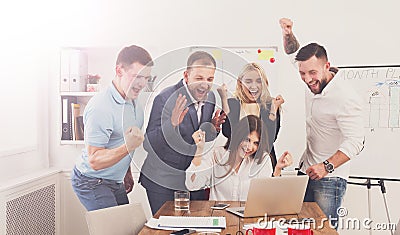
[{"x": 106, "y": 117}]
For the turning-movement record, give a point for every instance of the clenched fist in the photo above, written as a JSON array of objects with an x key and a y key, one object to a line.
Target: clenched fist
[
  {"x": 278, "y": 101},
  {"x": 199, "y": 138},
  {"x": 285, "y": 160},
  {"x": 286, "y": 25},
  {"x": 223, "y": 91},
  {"x": 133, "y": 138}
]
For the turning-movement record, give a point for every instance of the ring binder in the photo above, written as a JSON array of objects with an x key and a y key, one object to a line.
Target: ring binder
[
  {"x": 73, "y": 70},
  {"x": 66, "y": 129}
]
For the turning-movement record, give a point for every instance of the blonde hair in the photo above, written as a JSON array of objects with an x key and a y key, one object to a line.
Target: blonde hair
[{"x": 265, "y": 96}]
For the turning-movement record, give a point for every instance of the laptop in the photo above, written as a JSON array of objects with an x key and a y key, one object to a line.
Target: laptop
[{"x": 273, "y": 196}]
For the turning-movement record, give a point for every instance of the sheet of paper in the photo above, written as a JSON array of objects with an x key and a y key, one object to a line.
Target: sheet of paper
[
  {"x": 153, "y": 223},
  {"x": 192, "y": 221}
]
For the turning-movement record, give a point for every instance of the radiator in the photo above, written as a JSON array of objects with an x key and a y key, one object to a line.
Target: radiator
[{"x": 30, "y": 207}]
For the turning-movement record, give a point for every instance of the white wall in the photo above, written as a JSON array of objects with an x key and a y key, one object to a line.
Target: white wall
[
  {"x": 24, "y": 98},
  {"x": 354, "y": 32}
]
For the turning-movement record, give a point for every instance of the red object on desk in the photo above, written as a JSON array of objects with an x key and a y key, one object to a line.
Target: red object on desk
[
  {"x": 292, "y": 231},
  {"x": 261, "y": 231}
]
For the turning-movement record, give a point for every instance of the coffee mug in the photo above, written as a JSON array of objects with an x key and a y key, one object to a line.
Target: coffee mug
[
  {"x": 293, "y": 231},
  {"x": 262, "y": 231}
]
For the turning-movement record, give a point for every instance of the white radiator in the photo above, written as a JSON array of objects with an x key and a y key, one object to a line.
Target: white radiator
[{"x": 30, "y": 205}]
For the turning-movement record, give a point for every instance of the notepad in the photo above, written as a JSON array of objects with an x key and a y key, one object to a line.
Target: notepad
[{"x": 192, "y": 222}]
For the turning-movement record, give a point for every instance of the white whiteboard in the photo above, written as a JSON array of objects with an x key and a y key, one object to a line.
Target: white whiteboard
[{"x": 380, "y": 89}]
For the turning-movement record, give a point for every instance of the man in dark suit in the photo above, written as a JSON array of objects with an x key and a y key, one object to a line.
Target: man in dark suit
[{"x": 177, "y": 112}]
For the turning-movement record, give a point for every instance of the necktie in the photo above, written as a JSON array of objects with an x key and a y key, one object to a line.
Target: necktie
[{"x": 198, "y": 107}]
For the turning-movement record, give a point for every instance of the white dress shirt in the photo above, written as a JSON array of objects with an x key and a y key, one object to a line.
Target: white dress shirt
[
  {"x": 235, "y": 185},
  {"x": 334, "y": 122},
  {"x": 198, "y": 106}
]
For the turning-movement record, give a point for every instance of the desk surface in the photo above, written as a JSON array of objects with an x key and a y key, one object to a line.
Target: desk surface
[{"x": 233, "y": 222}]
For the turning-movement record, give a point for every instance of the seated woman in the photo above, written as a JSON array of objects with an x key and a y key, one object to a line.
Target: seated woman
[{"x": 228, "y": 169}]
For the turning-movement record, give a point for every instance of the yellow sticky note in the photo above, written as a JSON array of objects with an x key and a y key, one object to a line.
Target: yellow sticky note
[
  {"x": 217, "y": 54},
  {"x": 266, "y": 55}
]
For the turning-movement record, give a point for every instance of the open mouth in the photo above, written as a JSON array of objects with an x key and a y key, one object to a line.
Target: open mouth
[
  {"x": 246, "y": 152},
  {"x": 254, "y": 93},
  {"x": 136, "y": 90},
  {"x": 313, "y": 85},
  {"x": 201, "y": 92}
]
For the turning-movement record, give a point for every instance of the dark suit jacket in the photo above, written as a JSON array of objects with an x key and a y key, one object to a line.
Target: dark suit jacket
[
  {"x": 171, "y": 150},
  {"x": 272, "y": 127}
]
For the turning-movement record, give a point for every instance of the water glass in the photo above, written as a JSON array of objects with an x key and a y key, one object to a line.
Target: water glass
[{"x": 182, "y": 200}]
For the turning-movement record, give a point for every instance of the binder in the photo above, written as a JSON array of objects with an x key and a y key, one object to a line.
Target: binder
[
  {"x": 66, "y": 127},
  {"x": 75, "y": 111},
  {"x": 79, "y": 128},
  {"x": 72, "y": 121},
  {"x": 78, "y": 70},
  {"x": 64, "y": 70},
  {"x": 73, "y": 70}
]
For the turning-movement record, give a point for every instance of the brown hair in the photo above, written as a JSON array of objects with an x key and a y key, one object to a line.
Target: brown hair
[
  {"x": 132, "y": 54},
  {"x": 241, "y": 131},
  {"x": 202, "y": 57}
]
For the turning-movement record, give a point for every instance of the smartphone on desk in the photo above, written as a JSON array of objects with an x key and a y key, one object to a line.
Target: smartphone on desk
[
  {"x": 220, "y": 206},
  {"x": 183, "y": 232}
]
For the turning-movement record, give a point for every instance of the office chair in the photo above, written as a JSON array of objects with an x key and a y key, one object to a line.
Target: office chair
[
  {"x": 139, "y": 195},
  {"x": 126, "y": 219}
]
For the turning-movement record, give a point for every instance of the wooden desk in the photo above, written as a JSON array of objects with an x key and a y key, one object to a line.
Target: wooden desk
[{"x": 233, "y": 222}]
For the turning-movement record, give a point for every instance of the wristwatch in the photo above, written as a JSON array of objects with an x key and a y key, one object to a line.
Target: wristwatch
[{"x": 329, "y": 166}]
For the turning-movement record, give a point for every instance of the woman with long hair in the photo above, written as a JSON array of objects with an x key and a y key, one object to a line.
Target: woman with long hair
[
  {"x": 227, "y": 170},
  {"x": 252, "y": 97}
]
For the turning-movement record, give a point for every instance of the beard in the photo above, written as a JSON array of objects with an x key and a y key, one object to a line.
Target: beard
[{"x": 322, "y": 85}]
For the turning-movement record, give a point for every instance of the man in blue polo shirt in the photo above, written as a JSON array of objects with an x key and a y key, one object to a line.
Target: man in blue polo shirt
[{"x": 113, "y": 122}]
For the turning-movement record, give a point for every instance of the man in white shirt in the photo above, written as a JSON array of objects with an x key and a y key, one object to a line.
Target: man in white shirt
[{"x": 334, "y": 125}]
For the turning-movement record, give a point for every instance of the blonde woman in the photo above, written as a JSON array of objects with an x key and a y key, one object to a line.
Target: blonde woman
[{"x": 252, "y": 97}]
